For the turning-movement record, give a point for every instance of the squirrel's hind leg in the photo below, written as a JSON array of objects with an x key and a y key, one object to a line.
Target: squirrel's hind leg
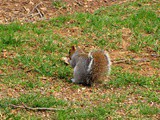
[
  {"x": 76, "y": 75},
  {"x": 73, "y": 80}
]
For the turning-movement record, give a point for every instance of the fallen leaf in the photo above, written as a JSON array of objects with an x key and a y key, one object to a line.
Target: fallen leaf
[
  {"x": 4, "y": 53},
  {"x": 66, "y": 60},
  {"x": 1, "y": 72}
]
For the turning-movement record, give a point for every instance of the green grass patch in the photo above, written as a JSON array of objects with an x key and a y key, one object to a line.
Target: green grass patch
[
  {"x": 33, "y": 62},
  {"x": 30, "y": 100},
  {"x": 34, "y": 100},
  {"x": 149, "y": 95},
  {"x": 124, "y": 79},
  {"x": 58, "y": 4},
  {"x": 147, "y": 110}
]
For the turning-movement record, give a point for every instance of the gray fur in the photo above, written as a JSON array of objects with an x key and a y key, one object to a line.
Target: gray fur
[
  {"x": 80, "y": 65},
  {"x": 74, "y": 59}
]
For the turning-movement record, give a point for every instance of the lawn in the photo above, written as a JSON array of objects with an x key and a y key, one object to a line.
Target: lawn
[{"x": 33, "y": 74}]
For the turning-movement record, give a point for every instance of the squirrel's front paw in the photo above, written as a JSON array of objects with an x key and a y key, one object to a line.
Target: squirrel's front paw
[{"x": 73, "y": 80}]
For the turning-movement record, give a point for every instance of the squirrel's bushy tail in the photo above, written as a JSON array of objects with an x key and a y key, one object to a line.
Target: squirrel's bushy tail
[
  {"x": 99, "y": 66},
  {"x": 109, "y": 62}
]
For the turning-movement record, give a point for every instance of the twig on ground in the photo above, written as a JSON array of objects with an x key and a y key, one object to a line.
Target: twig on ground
[
  {"x": 41, "y": 15},
  {"x": 155, "y": 55},
  {"x": 119, "y": 61},
  {"x": 35, "y": 7},
  {"x": 129, "y": 60},
  {"x": 80, "y": 4},
  {"x": 34, "y": 109},
  {"x": 32, "y": 15},
  {"x": 58, "y": 10},
  {"x": 38, "y": 11},
  {"x": 3, "y": 74}
]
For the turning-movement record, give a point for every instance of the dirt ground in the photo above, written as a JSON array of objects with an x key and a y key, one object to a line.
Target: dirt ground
[{"x": 33, "y": 10}]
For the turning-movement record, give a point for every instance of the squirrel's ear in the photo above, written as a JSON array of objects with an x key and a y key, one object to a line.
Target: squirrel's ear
[{"x": 73, "y": 47}]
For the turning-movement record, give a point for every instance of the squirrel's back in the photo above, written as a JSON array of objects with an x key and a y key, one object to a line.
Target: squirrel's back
[{"x": 99, "y": 66}]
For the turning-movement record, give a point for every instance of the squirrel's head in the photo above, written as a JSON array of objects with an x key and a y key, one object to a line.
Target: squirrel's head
[
  {"x": 76, "y": 50},
  {"x": 72, "y": 51}
]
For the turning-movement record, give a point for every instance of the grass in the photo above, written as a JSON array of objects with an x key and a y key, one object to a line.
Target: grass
[
  {"x": 32, "y": 72},
  {"x": 58, "y": 4},
  {"x": 125, "y": 79},
  {"x": 146, "y": 110}
]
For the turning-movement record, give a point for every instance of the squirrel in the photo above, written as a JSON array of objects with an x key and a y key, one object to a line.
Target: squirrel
[{"x": 89, "y": 68}]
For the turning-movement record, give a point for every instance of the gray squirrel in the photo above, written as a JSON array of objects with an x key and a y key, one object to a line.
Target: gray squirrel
[{"x": 89, "y": 68}]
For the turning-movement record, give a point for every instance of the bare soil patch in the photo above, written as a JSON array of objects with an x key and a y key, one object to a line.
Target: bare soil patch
[{"x": 33, "y": 10}]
